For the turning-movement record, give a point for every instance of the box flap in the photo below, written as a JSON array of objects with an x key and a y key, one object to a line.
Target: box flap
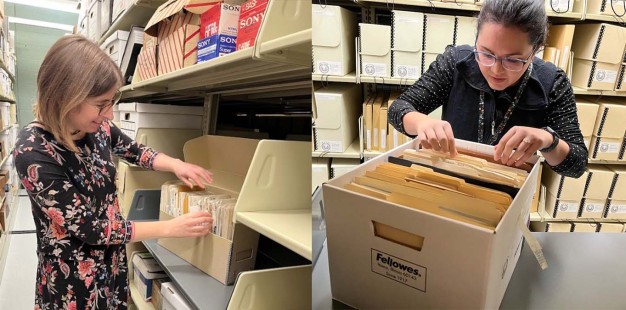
[
  {"x": 326, "y": 21},
  {"x": 172, "y": 7},
  {"x": 375, "y": 39},
  {"x": 408, "y": 31},
  {"x": 328, "y": 111},
  {"x": 228, "y": 158}
]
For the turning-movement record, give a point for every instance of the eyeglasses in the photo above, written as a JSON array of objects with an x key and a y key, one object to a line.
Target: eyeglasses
[
  {"x": 509, "y": 63},
  {"x": 104, "y": 106}
]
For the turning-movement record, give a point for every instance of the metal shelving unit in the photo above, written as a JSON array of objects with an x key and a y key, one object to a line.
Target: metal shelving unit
[{"x": 138, "y": 13}]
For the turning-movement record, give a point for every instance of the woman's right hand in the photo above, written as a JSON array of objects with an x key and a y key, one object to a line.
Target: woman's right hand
[
  {"x": 196, "y": 224},
  {"x": 435, "y": 134}
]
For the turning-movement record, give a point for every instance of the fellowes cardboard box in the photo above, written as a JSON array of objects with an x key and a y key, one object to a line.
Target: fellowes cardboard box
[{"x": 469, "y": 263}]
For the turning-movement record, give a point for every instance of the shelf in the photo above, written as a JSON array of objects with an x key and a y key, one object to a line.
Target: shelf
[
  {"x": 387, "y": 80},
  {"x": 199, "y": 289},
  {"x": 137, "y": 300},
  {"x": 605, "y": 18},
  {"x": 580, "y": 91},
  {"x": 543, "y": 216},
  {"x": 281, "y": 56},
  {"x": 291, "y": 228},
  {"x": 348, "y": 78},
  {"x": 8, "y": 99},
  {"x": 137, "y": 14},
  {"x": 423, "y": 3},
  {"x": 371, "y": 154},
  {"x": 606, "y": 162},
  {"x": 353, "y": 151}
]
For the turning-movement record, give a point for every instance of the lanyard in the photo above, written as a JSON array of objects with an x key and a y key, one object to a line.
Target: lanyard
[{"x": 481, "y": 108}]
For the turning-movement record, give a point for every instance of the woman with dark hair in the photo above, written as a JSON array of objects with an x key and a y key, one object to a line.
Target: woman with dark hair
[
  {"x": 498, "y": 93},
  {"x": 65, "y": 162}
]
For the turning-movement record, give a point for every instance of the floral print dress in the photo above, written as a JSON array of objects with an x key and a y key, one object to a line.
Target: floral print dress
[{"x": 81, "y": 234}]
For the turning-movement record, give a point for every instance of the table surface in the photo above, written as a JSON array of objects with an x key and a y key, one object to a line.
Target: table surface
[{"x": 585, "y": 271}]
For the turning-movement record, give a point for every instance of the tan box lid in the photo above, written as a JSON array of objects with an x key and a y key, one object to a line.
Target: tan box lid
[
  {"x": 586, "y": 112},
  {"x": 600, "y": 182},
  {"x": 619, "y": 188}
]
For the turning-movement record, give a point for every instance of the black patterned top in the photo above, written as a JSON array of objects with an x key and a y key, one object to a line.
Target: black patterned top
[{"x": 80, "y": 231}]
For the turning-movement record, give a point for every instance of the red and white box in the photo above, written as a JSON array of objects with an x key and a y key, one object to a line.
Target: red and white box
[
  {"x": 146, "y": 61},
  {"x": 176, "y": 24},
  {"x": 250, "y": 17}
]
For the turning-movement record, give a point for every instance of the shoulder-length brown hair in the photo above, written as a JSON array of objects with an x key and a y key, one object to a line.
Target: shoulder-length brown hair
[{"x": 73, "y": 70}]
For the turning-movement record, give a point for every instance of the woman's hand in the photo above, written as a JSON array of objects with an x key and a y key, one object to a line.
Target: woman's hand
[
  {"x": 519, "y": 143},
  {"x": 189, "y": 173},
  {"x": 196, "y": 224},
  {"x": 436, "y": 134}
]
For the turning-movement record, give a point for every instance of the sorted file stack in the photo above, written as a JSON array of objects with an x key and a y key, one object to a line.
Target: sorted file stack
[
  {"x": 178, "y": 199},
  {"x": 417, "y": 185},
  {"x": 378, "y": 135}
]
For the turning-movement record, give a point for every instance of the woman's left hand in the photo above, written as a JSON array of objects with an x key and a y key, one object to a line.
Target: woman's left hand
[
  {"x": 187, "y": 173},
  {"x": 519, "y": 143}
]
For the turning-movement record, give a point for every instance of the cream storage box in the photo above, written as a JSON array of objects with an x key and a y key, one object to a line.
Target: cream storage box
[
  {"x": 135, "y": 115},
  {"x": 459, "y": 265}
]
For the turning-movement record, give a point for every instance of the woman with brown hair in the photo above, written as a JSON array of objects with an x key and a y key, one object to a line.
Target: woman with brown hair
[{"x": 65, "y": 161}]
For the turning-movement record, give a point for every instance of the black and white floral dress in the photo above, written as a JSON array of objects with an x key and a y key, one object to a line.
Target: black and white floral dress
[{"x": 80, "y": 231}]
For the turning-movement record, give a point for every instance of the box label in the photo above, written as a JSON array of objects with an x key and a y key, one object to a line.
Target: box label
[
  {"x": 617, "y": 209},
  {"x": 605, "y": 76},
  {"x": 331, "y": 146},
  {"x": 217, "y": 45},
  {"x": 609, "y": 147},
  {"x": 594, "y": 207},
  {"x": 559, "y": 6},
  {"x": 383, "y": 139},
  {"x": 568, "y": 207},
  {"x": 368, "y": 139},
  {"x": 399, "y": 270},
  {"x": 374, "y": 69},
  {"x": 412, "y": 72},
  {"x": 329, "y": 67}
]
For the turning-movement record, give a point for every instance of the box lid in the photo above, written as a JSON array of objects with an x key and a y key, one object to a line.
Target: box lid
[
  {"x": 326, "y": 21},
  {"x": 118, "y": 35},
  {"x": 172, "y": 7},
  {"x": 375, "y": 39}
]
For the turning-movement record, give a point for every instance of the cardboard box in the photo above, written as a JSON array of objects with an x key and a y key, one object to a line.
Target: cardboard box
[
  {"x": 592, "y": 208},
  {"x": 560, "y": 39},
  {"x": 367, "y": 271},
  {"x": 616, "y": 209},
  {"x": 559, "y": 6},
  {"x": 172, "y": 298},
  {"x": 439, "y": 32},
  {"x": 115, "y": 44},
  {"x": 341, "y": 166},
  {"x": 83, "y": 26},
  {"x": 589, "y": 74},
  {"x": 134, "y": 116},
  {"x": 250, "y": 19},
  {"x": 611, "y": 227},
  {"x": 406, "y": 44},
  {"x": 606, "y": 148},
  {"x": 619, "y": 182},
  {"x": 584, "y": 227},
  {"x": 551, "y": 226},
  {"x": 118, "y": 7},
  {"x": 147, "y": 65},
  {"x": 218, "y": 31},
  {"x": 93, "y": 16},
  {"x": 146, "y": 269},
  {"x": 105, "y": 15},
  {"x": 428, "y": 59},
  {"x": 130, "y": 178},
  {"x": 465, "y": 30},
  {"x": 599, "y": 42},
  {"x": 335, "y": 117},
  {"x": 561, "y": 208},
  {"x": 375, "y": 50},
  {"x": 606, "y": 7},
  {"x": 176, "y": 24},
  {"x": 563, "y": 187},
  {"x": 260, "y": 175},
  {"x": 610, "y": 121},
  {"x": 586, "y": 110},
  {"x": 320, "y": 168},
  {"x": 334, "y": 30},
  {"x": 600, "y": 182},
  {"x": 157, "y": 297}
]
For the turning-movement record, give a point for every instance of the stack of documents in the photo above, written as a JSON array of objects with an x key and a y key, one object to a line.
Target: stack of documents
[
  {"x": 177, "y": 199},
  {"x": 420, "y": 187}
]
